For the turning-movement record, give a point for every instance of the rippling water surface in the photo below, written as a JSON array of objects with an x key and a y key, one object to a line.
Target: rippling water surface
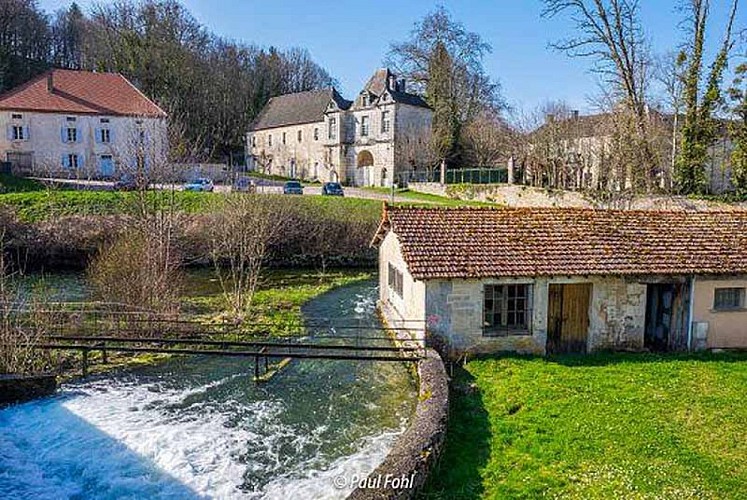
[{"x": 199, "y": 427}]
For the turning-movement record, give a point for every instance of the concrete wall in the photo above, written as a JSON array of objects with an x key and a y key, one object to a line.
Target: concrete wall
[
  {"x": 45, "y": 142},
  {"x": 454, "y": 312},
  {"x": 717, "y": 329}
]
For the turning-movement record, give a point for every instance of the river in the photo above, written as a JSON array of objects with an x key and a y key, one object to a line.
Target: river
[{"x": 199, "y": 427}]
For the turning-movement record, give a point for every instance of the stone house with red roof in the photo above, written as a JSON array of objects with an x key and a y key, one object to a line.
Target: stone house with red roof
[
  {"x": 318, "y": 135},
  {"x": 557, "y": 280},
  {"x": 80, "y": 124}
]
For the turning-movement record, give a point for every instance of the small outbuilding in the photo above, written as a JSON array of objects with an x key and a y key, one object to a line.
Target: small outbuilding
[{"x": 559, "y": 280}]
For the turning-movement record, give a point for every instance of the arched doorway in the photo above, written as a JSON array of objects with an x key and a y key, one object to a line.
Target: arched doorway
[{"x": 366, "y": 164}]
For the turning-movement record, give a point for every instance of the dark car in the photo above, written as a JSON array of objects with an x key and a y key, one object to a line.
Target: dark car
[
  {"x": 332, "y": 189},
  {"x": 126, "y": 183},
  {"x": 292, "y": 187}
]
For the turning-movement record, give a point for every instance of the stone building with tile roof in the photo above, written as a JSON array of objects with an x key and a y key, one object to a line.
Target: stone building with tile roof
[
  {"x": 582, "y": 144},
  {"x": 319, "y": 135},
  {"x": 80, "y": 124},
  {"x": 557, "y": 280}
]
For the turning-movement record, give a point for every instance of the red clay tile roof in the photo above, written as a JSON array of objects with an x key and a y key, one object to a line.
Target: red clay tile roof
[
  {"x": 487, "y": 242},
  {"x": 80, "y": 92}
]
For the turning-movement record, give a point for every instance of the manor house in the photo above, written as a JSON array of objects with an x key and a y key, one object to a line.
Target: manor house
[{"x": 375, "y": 140}]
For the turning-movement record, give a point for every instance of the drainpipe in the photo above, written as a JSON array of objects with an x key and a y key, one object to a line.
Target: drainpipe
[{"x": 690, "y": 315}]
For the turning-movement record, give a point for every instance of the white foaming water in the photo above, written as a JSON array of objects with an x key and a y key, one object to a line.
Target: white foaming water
[
  {"x": 120, "y": 439},
  {"x": 199, "y": 428}
]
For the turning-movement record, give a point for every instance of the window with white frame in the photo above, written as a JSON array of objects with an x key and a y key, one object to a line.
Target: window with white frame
[
  {"x": 728, "y": 299},
  {"x": 364, "y": 126},
  {"x": 16, "y": 116},
  {"x": 506, "y": 308},
  {"x": 71, "y": 160},
  {"x": 71, "y": 134},
  {"x": 18, "y": 133},
  {"x": 396, "y": 280},
  {"x": 269, "y": 140},
  {"x": 105, "y": 135},
  {"x": 316, "y": 133},
  {"x": 386, "y": 122},
  {"x": 300, "y": 135}
]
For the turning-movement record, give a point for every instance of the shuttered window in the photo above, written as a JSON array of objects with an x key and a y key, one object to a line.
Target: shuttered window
[{"x": 396, "y": 280}]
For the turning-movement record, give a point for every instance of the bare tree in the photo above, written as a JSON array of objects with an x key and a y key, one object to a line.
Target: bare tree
[
  {"x": 242, "y": 232},
  {"x": 610, "y": 32}
]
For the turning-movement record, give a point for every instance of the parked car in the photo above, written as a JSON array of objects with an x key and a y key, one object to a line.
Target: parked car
[
  {"x": 332, "y": 189},
  {"x": 126, "y": 183},
  {"x": 244, "y": 185},
  {"x": 292, "y": 187},
  {"x": 201, "y": 184}
]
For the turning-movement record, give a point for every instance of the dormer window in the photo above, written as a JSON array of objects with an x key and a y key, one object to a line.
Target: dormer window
[{"x": 331, "y": 105}]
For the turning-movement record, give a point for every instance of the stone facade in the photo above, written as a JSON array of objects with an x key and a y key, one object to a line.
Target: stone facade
[
  {"x": 452, "y": 309},
  {"x": 362, "y": 142}
]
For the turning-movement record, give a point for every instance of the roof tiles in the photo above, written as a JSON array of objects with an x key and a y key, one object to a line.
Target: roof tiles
[
  {"x": 487, "y": 242},
  {"x": 80, "y": 92}
]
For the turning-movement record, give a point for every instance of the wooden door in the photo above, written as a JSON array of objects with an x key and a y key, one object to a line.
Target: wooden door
[{"x": 568, "y": 318}]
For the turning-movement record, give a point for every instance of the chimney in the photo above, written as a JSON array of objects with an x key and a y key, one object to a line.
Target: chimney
[
  {"x": 50, "y": 82},
  {"x": 392, "y": 82},
  {"x": 402, "y": 85},
  {"x": 549, "y": 118},
  {"x": 574, "y": 114}
]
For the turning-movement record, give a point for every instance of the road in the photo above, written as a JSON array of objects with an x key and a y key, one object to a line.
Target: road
[{"x": 264, "y": 187}]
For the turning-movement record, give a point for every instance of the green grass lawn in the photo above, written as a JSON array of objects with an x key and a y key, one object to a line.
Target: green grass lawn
[
  {"x": 277, "y": 301},
  {"x": 41, "y": 205},
  {"x": 602, "y": 426}
]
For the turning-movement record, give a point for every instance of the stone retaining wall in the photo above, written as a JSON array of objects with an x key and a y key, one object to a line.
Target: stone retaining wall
[
  {"x": 19, "y": 388},
  {"x": 404, "y": 471}
]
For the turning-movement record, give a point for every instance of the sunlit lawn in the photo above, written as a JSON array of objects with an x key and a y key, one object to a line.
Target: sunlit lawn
[{"x": 604, "y": 426}]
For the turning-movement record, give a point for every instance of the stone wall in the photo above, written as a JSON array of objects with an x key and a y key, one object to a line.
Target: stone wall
[
  {"x": 405, "y": 470},
  {"x": 19, "y": 388},
  {"x": 526, "y": 196},
  {"x": 454, "y": 314}
]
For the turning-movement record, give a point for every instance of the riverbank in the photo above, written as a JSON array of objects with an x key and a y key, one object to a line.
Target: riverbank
[
  {"x": 278, "y": 302},
  {"x": 200, "y": 427}
]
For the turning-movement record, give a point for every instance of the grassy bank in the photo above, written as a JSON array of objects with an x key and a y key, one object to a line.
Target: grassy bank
[
  {"x": 622, "y": 426},
  {"x": 35, "y": 206},
  {"x": 12, "y": 184},
  {"x": 278, "y": 300}
]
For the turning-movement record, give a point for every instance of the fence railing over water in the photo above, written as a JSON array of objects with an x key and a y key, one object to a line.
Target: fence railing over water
[{"x": 105, "y": 328}]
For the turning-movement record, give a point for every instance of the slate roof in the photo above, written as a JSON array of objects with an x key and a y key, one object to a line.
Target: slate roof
[
  {"x": 298, "y": 108},
  {"x": 80, "y": 92},
  {"x": 379, "y": 83},
  {"x": 527, "y": 242}
]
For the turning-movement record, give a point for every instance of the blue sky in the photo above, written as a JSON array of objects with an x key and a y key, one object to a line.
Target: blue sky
[{"x": 351, "y": 38}]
